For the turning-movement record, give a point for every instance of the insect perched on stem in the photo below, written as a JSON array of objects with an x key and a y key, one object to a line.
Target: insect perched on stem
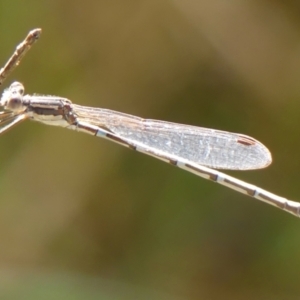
[{"x": 195, "y": 149}]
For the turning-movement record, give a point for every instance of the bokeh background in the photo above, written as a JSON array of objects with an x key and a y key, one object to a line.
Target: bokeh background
[{"x": 83, "y": 218}]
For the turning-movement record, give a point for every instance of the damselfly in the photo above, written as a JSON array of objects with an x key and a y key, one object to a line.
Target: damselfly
[{"x": 195, "y": 149}]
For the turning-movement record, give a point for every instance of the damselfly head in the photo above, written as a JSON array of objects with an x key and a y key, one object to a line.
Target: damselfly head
[{"x": 12, "y": 98}]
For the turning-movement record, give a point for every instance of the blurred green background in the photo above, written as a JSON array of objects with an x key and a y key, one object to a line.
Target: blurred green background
[{"x": 83, "y": 218}]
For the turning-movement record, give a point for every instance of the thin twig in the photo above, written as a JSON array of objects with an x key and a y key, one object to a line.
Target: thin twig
[{"x": 20, "y": 51}]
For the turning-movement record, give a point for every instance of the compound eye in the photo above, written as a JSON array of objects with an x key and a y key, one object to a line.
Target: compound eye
[
  {"x": 12, "y": 98},
  {"x": 14, "y": 103},
  {"x": 17, "y": 88}
]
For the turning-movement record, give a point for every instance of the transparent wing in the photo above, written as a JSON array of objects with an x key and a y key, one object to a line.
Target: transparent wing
[{"x": 208, "y": 147}]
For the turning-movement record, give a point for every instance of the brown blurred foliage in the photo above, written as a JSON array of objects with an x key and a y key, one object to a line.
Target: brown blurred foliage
[{"x": 81, "y": 217}]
